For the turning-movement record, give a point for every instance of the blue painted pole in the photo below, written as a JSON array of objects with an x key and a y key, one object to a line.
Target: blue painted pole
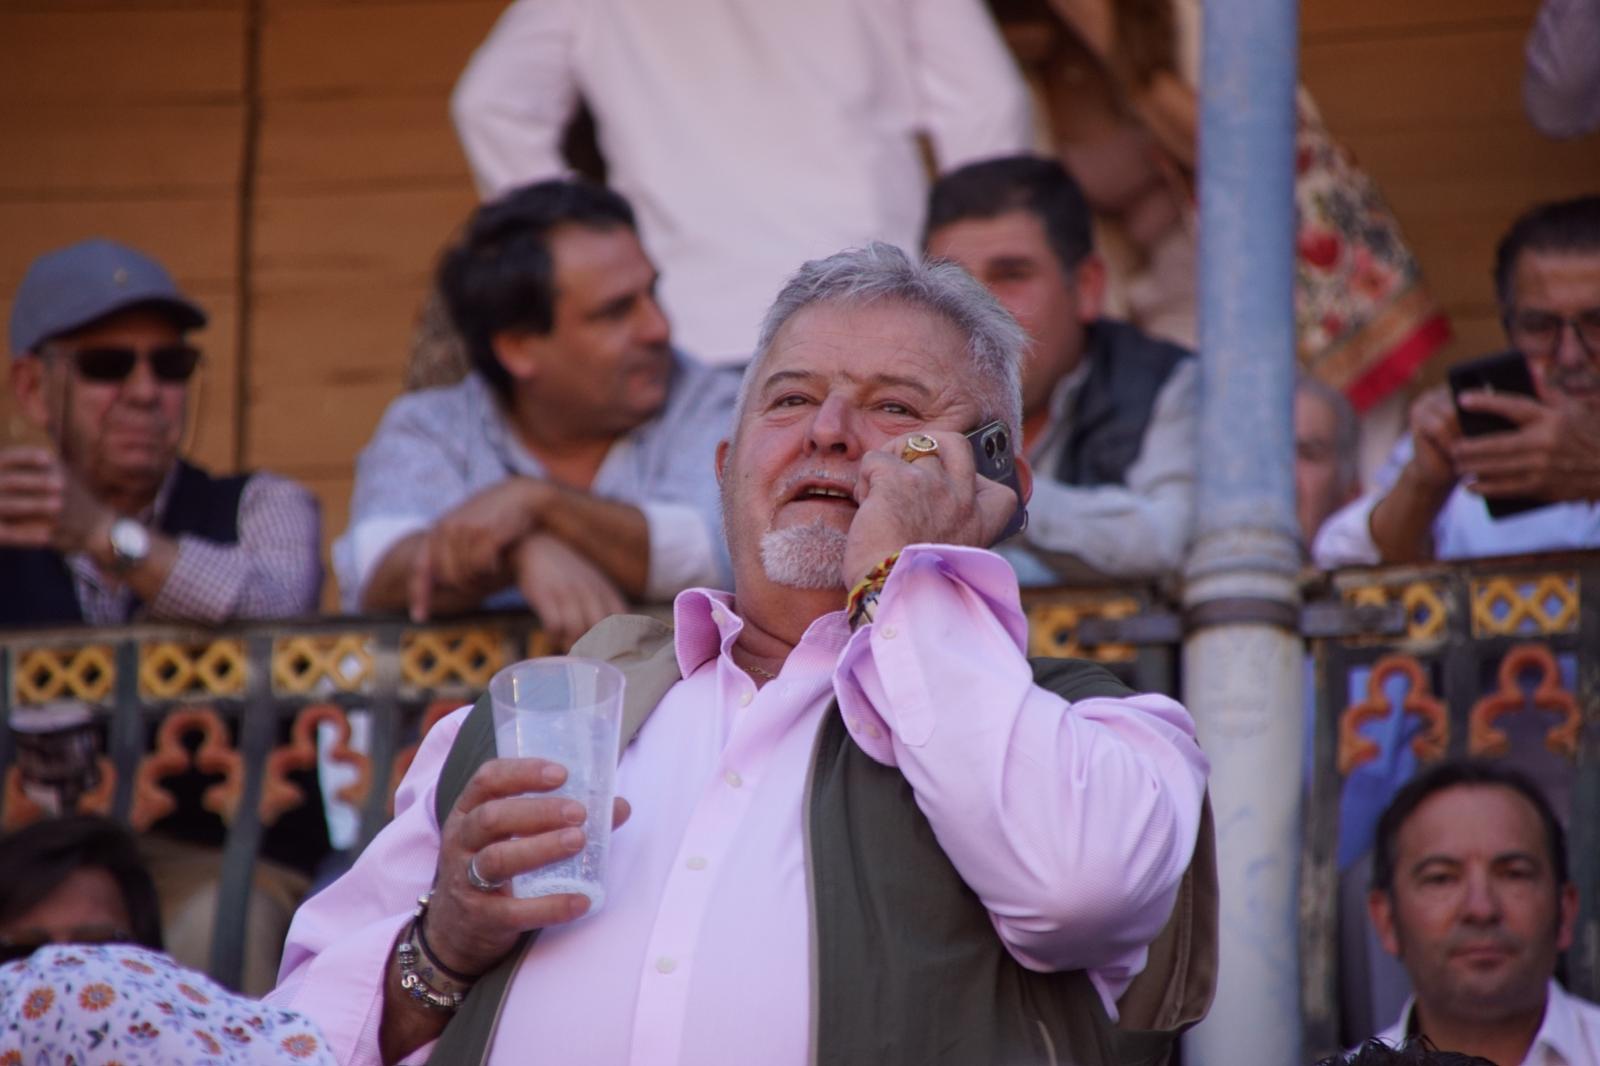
[{"x": 1243, "y": 660}]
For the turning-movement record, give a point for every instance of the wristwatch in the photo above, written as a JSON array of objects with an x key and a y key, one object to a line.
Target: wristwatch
[{"x": 130, "y": 545}]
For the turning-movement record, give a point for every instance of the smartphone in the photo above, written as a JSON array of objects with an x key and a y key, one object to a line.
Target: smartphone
[
  {"x": 1505, "y": 373},
  {"x": 993, "y": 455}
]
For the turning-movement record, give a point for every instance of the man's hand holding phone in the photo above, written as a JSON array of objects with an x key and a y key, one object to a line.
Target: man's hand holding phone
[
  {"x": 938, "y": 498},
  {"x": 1551, "y": 452}
]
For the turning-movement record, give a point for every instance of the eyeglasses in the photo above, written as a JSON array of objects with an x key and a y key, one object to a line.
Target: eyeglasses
[
  {"x": 31, "y": 940},
  {"x": 1537, "y": 334},
  {"x": 171, "y": 363}
]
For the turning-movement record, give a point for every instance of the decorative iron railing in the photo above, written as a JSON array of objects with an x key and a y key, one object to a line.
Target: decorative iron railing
[{"x": 1405, "y": 665}]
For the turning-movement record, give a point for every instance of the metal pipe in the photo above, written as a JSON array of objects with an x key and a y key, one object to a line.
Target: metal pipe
[{"x": 1244, "y": 665}]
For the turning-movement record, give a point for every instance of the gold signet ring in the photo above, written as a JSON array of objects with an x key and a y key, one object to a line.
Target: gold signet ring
[{"x": 919, "y": 445}]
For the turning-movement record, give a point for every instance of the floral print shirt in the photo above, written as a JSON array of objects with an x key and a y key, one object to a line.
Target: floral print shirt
[{"x": 122, "y": 1005}]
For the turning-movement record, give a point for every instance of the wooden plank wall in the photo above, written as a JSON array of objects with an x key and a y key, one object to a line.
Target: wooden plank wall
[
  {"x": 293, "y": 161},
  {"x": 1427, "y": 93}
]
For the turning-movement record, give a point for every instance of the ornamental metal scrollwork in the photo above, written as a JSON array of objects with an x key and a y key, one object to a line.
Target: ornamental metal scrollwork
[
  {"x": 1484, "y": 738},
  {"x": 43, "y": 675},
  {"x": 1504, "y": 604},
  {"x": 435, "y": 658},
  {"x": 1428, "y": 745},
  {"x": 279, "y": 794},
  {"x": 216, "y": 755},
  {"x": 169, "y": 670},
  {"x": 1424, "y": 603},
  {"x": 1053, "y": 629}
]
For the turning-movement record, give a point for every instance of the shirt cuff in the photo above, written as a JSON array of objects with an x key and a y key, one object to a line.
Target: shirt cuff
[
  {"x": 1345, "y": 539},
  {"x": 363, "y": 547},
  {"x": 354, "y": 970},
  {"x": 681, "y": 550},
  {"x": 880, "y": 682}
]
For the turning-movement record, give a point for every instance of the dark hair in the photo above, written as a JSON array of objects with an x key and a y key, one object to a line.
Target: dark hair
[
  {"x": 36, "y": 859},
  {"x": 500, "y": 274},
  {"x": 1031, "y": 183},
  {"x": 1456, "y": 773},
  {"x": 1418, "y": 1051},
  {"x": 1561, "y": 226}
]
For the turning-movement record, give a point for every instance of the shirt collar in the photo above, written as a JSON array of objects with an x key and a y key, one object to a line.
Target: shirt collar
[
  {"x": 705, "y": 625},
  {"x": 1558, "y": 1031}
]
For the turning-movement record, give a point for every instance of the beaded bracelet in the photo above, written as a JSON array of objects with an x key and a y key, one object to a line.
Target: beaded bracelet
[
  {"x": 420, "y": 969},
  {"x": 862, "y": 604}
]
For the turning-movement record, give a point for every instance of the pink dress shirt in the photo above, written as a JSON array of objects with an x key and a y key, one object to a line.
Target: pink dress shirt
[{"x": 1073, "y": 823}]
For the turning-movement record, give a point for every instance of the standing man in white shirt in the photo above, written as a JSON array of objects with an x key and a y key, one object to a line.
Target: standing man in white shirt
[
  {"x": 749, "y": 140},
  {"x": 1470, "y": 891}
]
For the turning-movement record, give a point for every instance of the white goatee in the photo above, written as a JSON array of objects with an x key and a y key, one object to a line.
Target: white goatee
[{"x": 804, "y": 557}]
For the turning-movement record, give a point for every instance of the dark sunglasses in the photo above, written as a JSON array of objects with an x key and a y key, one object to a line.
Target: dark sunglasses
[
  {"x": 171, "y": 363},
  {"x": 20, "y": 947}
]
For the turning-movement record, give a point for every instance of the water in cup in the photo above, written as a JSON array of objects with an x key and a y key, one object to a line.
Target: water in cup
[{"x": 567, "y": 710}]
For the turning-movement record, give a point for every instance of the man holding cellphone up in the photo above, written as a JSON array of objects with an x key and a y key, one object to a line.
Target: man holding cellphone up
[{"x": 1431, "y": 501}]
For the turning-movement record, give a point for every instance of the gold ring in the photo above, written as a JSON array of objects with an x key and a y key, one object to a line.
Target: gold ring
[{"x": 918, "y": 446}]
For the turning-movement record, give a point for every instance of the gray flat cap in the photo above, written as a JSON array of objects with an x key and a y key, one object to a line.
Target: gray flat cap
[{"x": 72, "y": 286}]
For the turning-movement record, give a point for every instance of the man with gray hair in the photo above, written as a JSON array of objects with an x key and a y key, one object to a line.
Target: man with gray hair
[{"x": 865, "y": 826}]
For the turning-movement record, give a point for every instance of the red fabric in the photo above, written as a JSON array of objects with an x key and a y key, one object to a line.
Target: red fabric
[{"x": 1399, "y": 365}]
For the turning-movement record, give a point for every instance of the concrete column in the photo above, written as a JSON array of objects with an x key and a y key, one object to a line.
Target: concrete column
[{"x": 1243, "y": 660}]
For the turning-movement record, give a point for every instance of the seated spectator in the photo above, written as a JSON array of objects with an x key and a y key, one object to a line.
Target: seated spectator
[
  {"x": 570, "y": 469},
  {"x": 1326, "y": 456},
  {"x": 107, "y": 523},
  {"x": 74, "y": 880},
  {"x": 122, "y": 1005},
  {"x": 1108, "y": 412},
  {"x": 1429, "y": 500},
  {"x": 1412, "y": 1053},
  {"x": 1470, "y": 891}
]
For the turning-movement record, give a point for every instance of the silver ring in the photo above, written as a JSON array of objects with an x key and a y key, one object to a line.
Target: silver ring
[{"x": 475, "y": 879}]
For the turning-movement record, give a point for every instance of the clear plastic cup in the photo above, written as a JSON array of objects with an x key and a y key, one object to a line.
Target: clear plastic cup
[{"x": 567, "y": 710}]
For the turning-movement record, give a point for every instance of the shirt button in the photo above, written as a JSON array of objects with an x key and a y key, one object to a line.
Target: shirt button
[
  {"x": 745, "y": 698},
  {"x": 888, "y": 632},
  {"x": 666, "y": 965},
  {"x": 696, "y": 862},
  {"x": 733, "y": 779},
  {"x": 719, "y": 618}
]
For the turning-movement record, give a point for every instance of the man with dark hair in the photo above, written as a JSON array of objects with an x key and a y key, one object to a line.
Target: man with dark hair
[
  {"x": 74, "y": 880},
  {"x": 101, "y": 519},
  {"x": 1470, "y": 892},
  {"x": 1429, "y": 502},
  {"x": 1108, "y": 412},
  {"x": 567, "y": 470}
]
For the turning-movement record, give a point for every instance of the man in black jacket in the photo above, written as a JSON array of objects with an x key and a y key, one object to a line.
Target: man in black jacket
[
  {"x": 1109, "y": 413},
  {"x": 101, "y": 521}
]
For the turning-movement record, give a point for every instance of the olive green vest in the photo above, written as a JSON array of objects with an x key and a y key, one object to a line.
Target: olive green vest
[{"x": 906, "y": 967}]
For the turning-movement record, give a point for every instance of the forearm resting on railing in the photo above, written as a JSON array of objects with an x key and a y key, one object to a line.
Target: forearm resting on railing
[{"x": 1402, "y": 521}]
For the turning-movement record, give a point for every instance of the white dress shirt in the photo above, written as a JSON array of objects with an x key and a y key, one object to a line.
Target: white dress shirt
[
  {"x": 1568, "y": 1036},
  {"x": 1463, "y": 529},
  {"x": 1137, "y": 530},
  {"x": 1072, "y": 822},
  {"x": 749, "y": 135}
]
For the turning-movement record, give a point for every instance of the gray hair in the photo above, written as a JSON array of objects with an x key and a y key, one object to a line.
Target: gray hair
[
  {"x": 1345, "y": 429},
  {"x": 881, "y": 272}
]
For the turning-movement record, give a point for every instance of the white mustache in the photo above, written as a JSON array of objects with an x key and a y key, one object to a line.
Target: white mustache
[{"x": 831, "y": 478}]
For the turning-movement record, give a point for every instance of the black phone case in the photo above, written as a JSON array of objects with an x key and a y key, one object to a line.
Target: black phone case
[{"x": 1506, "y": 372}]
